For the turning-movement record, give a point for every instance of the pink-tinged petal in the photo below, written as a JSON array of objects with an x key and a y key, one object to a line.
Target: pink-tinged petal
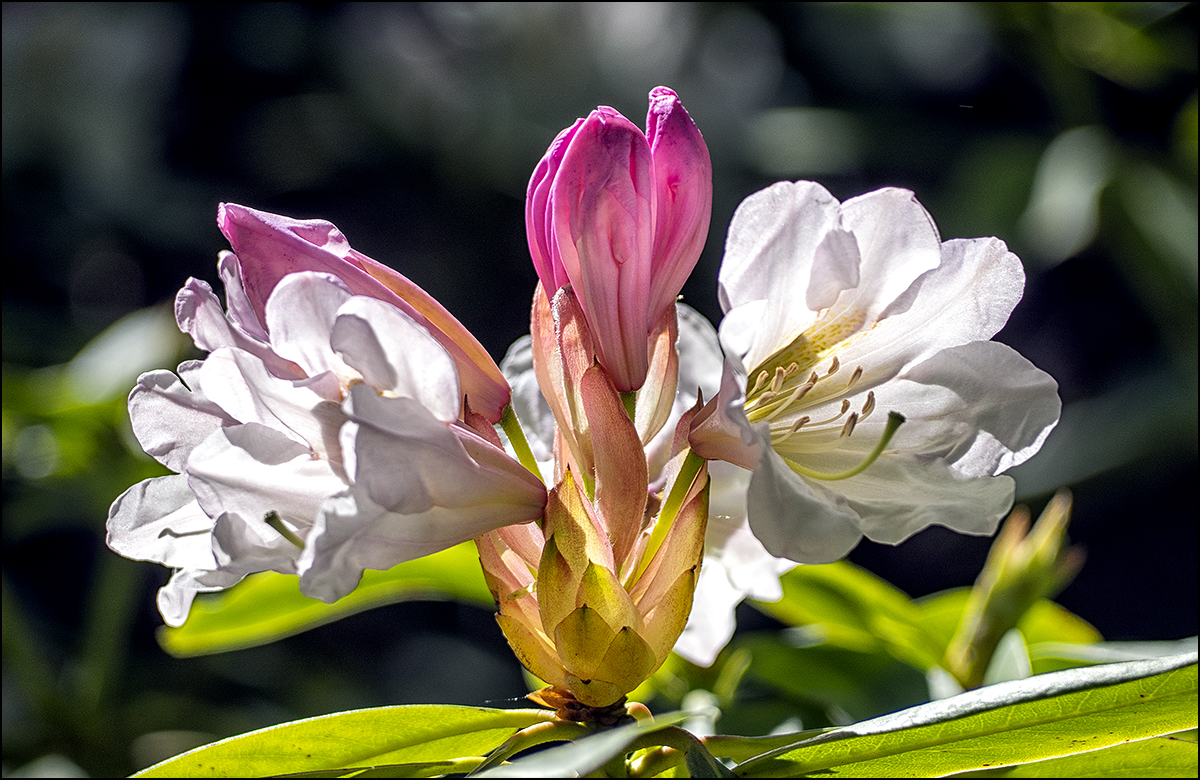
[
  {"x": 300, "y": 315},
  {"x": 682, "y": 173},
  {"x": 159, "y": 520},
  {"x": 396, "y": 355},
  {"x": 720, "y": 431},
  {"x": 169, "y": 420},
  {"x": 199, "y": 314},
  {"x": 270, "y": 246},
  {"x": 252, "y": 470},
  {"x": 241, "y": 312},
  {"x": 539, "y": 228},
  {"x": 795, "y": 519},
  {"x": 482, "y": 381},
  {"x": 602, "y": 211},
  {"x": 621, "y": 478}
]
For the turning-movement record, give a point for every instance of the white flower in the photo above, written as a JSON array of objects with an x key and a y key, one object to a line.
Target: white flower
[
  {"x": 840, "y": 317},
  {"x": 321, "y": 441},
  {"x": 735, "y": 564}
]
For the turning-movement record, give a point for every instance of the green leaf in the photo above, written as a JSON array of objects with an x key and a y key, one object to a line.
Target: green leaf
[
  {"x": 584, "y": 756},
  {"x": 847, "y": 685},
  {"x": 857, "y": 611},
  {"x": 1043, "y": 717},
  {"x": 1052, "y": 656},
  {"x": 1158, "y": 757},
  {"x": 269, "y": 606},
  {"x": 409, "y": 734}
]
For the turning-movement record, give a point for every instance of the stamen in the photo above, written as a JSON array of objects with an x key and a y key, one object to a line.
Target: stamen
[
  {"x": 795, "y": 427},
  {"x": 760, "y": 400},
  {"x": 848, "y": 428},
  {"x": 758, "y": 383},
  {"x": 777, "y": 382},
  {"x": 791, "y": 369},
  {"x": 869, "y": 406},
  {"x": 895, "y": 420},
  {"x": 834, "y": 365},
  {"x": 858, "y": 372}
]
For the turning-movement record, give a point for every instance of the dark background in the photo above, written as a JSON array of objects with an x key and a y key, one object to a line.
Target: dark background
[{"x": 1068, "y": 130}]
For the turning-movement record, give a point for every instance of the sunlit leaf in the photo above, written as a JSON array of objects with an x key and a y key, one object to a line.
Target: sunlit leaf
[
  {"x": 1042, "y": 717},
  {"x": 269, "y": 606},
  {"x": 1157, "y": 757},
  {"x": 410, "y": 734}
]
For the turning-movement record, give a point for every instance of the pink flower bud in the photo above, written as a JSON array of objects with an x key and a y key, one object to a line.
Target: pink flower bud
[{"x": 621, "y": 216}]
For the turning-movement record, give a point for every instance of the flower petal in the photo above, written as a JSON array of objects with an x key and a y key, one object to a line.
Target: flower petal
[
  {"x": 396, "y": 355},
  {"x": 795, "y": 519},
  {"x": 169, "y": 420},
  {"x": 159, "y": 520},
  {"x": 252, "y": 470},
  {"x": 300, "y": 315}
]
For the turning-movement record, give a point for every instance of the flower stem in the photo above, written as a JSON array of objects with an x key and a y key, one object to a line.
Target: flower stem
[{"x": 516, "y": 437}]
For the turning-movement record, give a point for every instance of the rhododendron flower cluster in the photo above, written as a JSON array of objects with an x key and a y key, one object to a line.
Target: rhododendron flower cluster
[{"x": 627, "y": 475}]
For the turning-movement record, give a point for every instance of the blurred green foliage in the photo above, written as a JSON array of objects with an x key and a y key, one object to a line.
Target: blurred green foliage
[{"x": 1068, "y": 129}]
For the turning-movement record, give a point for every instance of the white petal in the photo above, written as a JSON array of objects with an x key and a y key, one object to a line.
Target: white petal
[
  {"x": 900, "y": 495},
  {"x": 248, "y": 545},
  {"x": 700, "y": 359},
  {"x": 897, "y": 241},
  {"x": 169, "y": 420},
  {"x": 159, "y": 520},
  {"x": 528, "y": 402},
  {"x": 796, "y": 520},
  {"x": 980, "y": 405},
  {"x": 175, "y": 598},
  {"x": 397, "y": 355},
  {"x": 252, "y": 470},
  {"x": 354, "y": 533},
  {"x": 241, "y": 385},
  {"x": 408, "y": 462},
  {"x": 300, "y": 315},
  {"x": 773, "y": 239},
  {"x": 967, "y": 298}
]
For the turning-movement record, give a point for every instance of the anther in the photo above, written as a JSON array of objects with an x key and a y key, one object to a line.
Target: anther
[
  {"x": 792, "y": 430},
  {"x": 758, "y": 382},
  {"x": 777, "y": 382},
  {"x": 834, "y": 365},
  {"x": 848, "y": 428},
  {"x": 858, "y": 372},
  {"x": 869, "y": 406}
]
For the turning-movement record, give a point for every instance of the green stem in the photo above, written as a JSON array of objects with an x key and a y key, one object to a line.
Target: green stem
[
  {"x": 692, "y": 464},
  {"x": 516, "y": 437},
  {"x": 549, "y": 731},
  {"x": 630, "y": 401},
  {"x": 895, "y": 420},
  {"x": 275, "y": 522}
]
